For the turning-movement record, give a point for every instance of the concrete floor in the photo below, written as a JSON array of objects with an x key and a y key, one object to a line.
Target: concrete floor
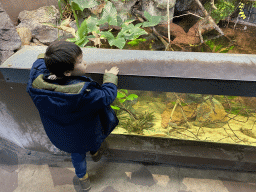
[{"x": 112, "y": 176}]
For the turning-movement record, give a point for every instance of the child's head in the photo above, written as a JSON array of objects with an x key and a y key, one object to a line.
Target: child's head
[{"x": 64, "y": 58}]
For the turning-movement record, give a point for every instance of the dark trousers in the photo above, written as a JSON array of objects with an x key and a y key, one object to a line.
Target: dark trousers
[{"x": 79, "y": 163}]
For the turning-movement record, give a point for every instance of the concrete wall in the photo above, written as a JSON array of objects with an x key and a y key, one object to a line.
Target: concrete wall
[{"x": 14, "y": 7}]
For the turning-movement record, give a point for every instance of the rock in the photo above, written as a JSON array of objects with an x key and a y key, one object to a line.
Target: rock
[
  {"x": 9, "y": 38},
  {"x": 38, "y": 43},
  {"x": 183, "y": 5},
  {"x": 205, "y": 114},
  {"x": 25, "y": 35},
  {"x": 46, "y": 14},
  {"x": 154, "y": 8},
  {"x": 4, "y": 55},
  {"x": 73, "y": 25},
  {"x": 159, "y": 8},
  {"x": 33, "y": 20},
  {"x": 45, "y": 34}
]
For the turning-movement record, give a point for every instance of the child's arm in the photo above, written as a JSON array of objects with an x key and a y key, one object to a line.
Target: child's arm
[{"x": 100, "y": 97}]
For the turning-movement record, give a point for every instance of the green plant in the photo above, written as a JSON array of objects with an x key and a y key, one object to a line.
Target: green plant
[
  {"x": 109, "y": 15},
  {"x": 80, "y": 37},
  {"x": 136, "y": 41},
  {"x": 144, "y": 121},
  {"x": 77, "y": 5},
  {"x": 224, "y": 9},
  {"x": 121, "y": 97},
  {"x": 217, "y": 48},
  {"x": 254, "y": 4}
]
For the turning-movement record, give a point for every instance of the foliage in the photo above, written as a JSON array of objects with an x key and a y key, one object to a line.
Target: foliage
[
  {"x": 152, "y": 20},
  {"x": 109, "y": 15},
  {"x": 77, "y": 5},
  {"x": 135, "y": 123},
  {"x": 136, "y": 41},
  {"x": 254, "y": 5},
  {"x": 80, "y": 37},
  {"x": 224, "y": 9},
  {"x": 144, "y": 122},
  {"x": 122, "y": 97},
  {"x": 217, "y": 48}
]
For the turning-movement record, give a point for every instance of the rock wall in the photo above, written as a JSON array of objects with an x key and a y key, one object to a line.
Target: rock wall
[{"x": 9, "y": 38}]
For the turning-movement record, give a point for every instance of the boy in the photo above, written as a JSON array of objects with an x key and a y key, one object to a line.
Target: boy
[{"x": 75, "y": 110}]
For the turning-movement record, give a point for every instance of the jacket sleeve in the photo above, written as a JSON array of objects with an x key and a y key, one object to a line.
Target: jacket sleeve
[
  {"x": 110, "y": 78},
  {"x": 101, "y": 96}
]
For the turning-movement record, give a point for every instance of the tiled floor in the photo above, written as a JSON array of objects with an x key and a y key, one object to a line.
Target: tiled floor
[
  {"x": 107, "y": 176},
  {"x": 32, "y": 171}
]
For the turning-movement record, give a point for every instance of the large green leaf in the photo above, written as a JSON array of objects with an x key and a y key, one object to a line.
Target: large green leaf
[
  {"x": 115, "y": 107},
  {"x": 91, "y": 24},
  {"x": 86, "y": 40},
  {"x": 124, "y": 90},
  {"x": 82, "y": 42},
  {"x": 122, "y": 100},
  {"x": 125, "y": 33},
  {"x": 130, "y": 32},
  {"x": 152, "y": 20},
  {"x": 131, "y": 97},
  {"x": 118, "y": 42},
  {"x": 120, "y": 95},
  {"x": 107, "y": 35},
  {"x": 109, "y": 15},
  {"x": 119, "y": 21},
  {"x": 80, "y": 5},
  {"x": 82, "y": 31},
  {"x": 136, "y": 41}
]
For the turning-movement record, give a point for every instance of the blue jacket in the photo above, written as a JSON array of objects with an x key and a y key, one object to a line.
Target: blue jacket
[{"x": 75, "y": 112}]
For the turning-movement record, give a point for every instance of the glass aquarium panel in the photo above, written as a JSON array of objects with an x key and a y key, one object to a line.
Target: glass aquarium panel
[{"x": 209, "y": 118}]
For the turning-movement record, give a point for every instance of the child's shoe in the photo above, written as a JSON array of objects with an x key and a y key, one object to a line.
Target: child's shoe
[
  {"x": 97, "y": 156},
  {"x": 85, "y": 183}
]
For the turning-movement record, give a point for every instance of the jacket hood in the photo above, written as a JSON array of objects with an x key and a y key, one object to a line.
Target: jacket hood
[{"x": 60, "y": 97}]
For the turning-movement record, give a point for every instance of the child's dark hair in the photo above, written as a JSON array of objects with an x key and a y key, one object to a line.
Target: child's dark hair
[{"x": 61, "y": 57}]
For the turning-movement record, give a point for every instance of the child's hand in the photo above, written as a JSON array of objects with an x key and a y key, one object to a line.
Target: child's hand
[
  {"x": 113, "y": 70},
  {"x": 52, "y": 77}
]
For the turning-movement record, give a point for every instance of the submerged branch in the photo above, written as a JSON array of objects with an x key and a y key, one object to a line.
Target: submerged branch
[{"x": 133, "y": 115}]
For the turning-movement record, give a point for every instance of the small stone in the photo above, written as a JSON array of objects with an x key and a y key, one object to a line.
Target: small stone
[{"x": 25, "y": 35}]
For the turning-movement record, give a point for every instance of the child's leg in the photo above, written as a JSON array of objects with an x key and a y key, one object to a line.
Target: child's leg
[{"x": 79, "y": 163}]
